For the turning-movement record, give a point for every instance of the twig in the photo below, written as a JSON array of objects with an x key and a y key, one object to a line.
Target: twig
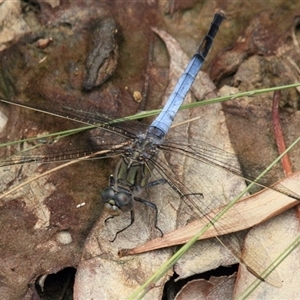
[{"x": 285, "y": 160}]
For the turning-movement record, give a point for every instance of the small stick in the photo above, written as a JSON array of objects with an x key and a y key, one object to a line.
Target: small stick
[{"x": 286, "y": 164}]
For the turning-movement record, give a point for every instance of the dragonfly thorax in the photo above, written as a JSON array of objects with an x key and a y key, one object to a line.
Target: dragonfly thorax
[
  {"x": 142, "y": 149},
  {"x": 131, "y": 176}
]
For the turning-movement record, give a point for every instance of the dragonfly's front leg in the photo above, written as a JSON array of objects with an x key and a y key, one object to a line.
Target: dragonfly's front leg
[{"x": 132, "y": 215}]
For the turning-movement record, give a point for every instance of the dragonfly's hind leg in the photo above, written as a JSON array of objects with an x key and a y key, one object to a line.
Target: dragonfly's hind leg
[
  {"x": 155, "y": 182},
  {"x": 152, "y": 205}
]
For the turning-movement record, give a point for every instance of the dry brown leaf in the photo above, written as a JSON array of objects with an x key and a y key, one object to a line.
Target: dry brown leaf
[
  {"x": 246, "y": 213},
  {"x": 215, "y": 288}
]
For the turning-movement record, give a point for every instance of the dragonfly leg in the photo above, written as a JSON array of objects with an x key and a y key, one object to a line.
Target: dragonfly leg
[
  {"x": 155, "y": 182},
  {"x": 174, "y": 188},
  {"x": 192, "y": 194},
  {"x": 131, "y": 222},
  {"x": 152, "y": 205}
]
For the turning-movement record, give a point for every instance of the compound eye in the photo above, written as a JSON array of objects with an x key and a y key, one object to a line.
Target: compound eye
[
  {"x": 107, "y": 194},
  {"x": 124, "y": 201}
]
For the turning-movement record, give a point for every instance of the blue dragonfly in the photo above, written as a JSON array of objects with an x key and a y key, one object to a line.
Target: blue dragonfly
[{"x": 134, "y": 169}]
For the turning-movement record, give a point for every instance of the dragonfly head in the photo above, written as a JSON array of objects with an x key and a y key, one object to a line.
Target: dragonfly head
[{"x": 116, "y": 202}]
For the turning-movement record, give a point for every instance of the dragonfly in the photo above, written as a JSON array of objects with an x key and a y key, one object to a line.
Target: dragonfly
[
  {"x": 134, "y": 169},
  {"x": 140, "y": 153}
]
